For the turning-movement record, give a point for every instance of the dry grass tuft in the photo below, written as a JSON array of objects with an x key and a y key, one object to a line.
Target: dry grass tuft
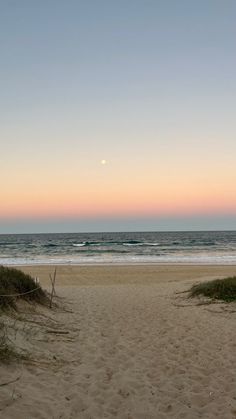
[
  {"x": 218, "y": 289},
  {"x": 14, "y": 286}
]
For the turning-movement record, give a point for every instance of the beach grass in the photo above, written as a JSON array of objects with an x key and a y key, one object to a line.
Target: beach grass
[
  {"x": 218, "y": 289},
  {"x": 14, "y": 285},
  {"x": 8, "y": 354}
]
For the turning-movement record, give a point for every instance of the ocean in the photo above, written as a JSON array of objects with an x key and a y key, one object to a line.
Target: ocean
[{"x": 206, "y": 247}]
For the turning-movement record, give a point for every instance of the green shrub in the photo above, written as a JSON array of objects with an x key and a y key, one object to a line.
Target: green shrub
[{"x": 220, "y": 289}]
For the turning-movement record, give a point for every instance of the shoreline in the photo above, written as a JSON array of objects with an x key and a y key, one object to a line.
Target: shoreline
[
  {"x": 127, "y": 264},
  {"x": 184, "y": 263}
]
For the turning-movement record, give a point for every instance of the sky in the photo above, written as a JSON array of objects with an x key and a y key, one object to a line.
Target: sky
[{"x": 117, "y": 115}]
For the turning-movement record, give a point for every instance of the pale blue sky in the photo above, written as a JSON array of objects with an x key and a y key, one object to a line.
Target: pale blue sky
[{"x": 148, "y": 85}]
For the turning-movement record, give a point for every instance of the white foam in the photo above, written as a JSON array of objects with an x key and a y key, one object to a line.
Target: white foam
[
  {"x": 79, "y": 244},
  {"x": 122, "y": 259}
]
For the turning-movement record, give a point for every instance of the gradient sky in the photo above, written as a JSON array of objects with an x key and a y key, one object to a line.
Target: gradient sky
[{"x": 149, "y": 86}]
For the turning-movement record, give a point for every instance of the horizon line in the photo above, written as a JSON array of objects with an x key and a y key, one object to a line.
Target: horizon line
[{"x": 127, "y": 231}]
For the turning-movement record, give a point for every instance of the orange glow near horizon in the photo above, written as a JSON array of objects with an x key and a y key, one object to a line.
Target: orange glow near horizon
[
  {"x": 119, "y": 190},
  {"x": 123, "y": 202}
]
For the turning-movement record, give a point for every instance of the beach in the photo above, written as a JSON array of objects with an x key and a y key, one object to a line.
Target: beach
[{"x": 124, "y": 342}]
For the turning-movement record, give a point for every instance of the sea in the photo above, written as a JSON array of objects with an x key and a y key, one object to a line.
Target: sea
[{"x": 200, "y": 247}]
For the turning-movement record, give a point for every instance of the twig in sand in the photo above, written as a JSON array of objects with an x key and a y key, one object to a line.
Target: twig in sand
[
  {"x": 182, "y": 292},
  {"x": 58, "y": 332},
  {"x": 53, "y": 280},
  {"x": 10, "y": 382}
]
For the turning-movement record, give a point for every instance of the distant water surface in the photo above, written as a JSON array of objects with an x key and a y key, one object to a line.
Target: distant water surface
[{"x": 214, "y": 247}]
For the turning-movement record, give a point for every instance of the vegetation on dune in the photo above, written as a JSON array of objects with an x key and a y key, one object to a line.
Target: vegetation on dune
[
  {"x": 8, "y": 353},
  {"x": 220, "y": 289},
  {"x": 14, "y": 285}
]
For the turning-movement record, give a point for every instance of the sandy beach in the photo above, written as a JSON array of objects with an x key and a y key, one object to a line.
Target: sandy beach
[{"x": 124, "y": 342}]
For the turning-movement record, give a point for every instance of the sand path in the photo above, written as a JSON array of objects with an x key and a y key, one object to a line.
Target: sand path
[{"x": 133, "y": 351}]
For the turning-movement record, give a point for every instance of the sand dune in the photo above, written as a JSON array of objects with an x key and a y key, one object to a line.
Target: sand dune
[{"x": 127, "y": 346}]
